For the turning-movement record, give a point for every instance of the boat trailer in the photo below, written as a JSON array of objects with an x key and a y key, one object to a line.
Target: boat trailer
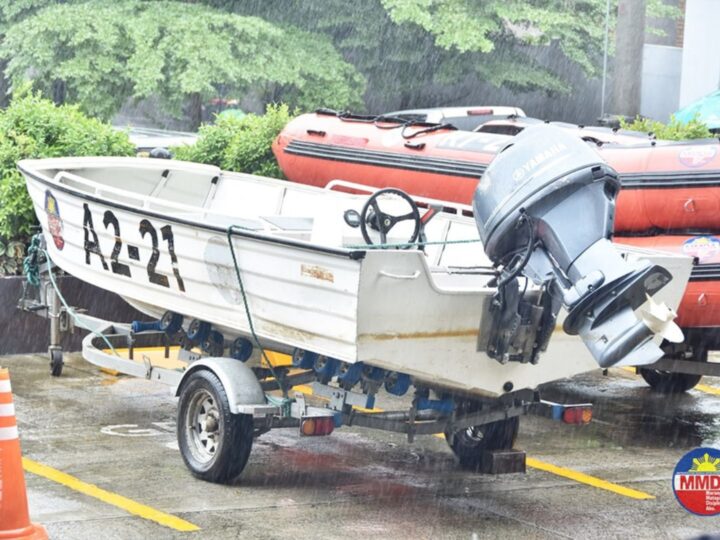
[
  {"x": 162, "y": 351},
  {"x": 228, "y": 395},
  {"x": 254, "y": 392}
]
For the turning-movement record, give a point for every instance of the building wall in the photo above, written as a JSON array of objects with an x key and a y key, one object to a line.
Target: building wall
[
  {"x": 701, "y": 51},
  {"x": 661, "y": 70}
]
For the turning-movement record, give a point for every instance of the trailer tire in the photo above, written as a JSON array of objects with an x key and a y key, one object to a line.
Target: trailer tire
[
  {"x": 667, "y": 382},
  {"x": 214, "y": 443},
  {"x": 56, "y": 362},
  {"x": 469, "y": 444}
]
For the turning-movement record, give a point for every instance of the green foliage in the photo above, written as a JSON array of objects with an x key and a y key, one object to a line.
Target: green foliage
[
  {"x": 504, "y": 32},
  {"x": 672, "y": 131},
  {"x": 32, "y": 127},
  {"x": 16, "y": 10},
  {"x": 407, "y": 50},
  {"x": 11, "y": 258},
  {"x": 240, "y": 144},
  {"x": 104, "y": 52},
  {"x": 396, "y": 60}
]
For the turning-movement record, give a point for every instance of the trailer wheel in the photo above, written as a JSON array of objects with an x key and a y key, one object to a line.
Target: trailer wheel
[
  {"x": 214, "y": 443},
  {"x": 469, "y": 444},
  {"x": 668, "y": 382},
  {"x": 56, "y": 362}
]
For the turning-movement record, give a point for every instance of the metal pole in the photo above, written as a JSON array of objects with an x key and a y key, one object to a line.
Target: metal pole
[
  {"x": 605, "y": 55},
  {"x": 54, "y": 315}
]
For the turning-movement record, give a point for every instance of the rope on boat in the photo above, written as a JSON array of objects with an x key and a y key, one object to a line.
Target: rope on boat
[
  {"x": 71, "y": 311},
  {"x": 413, "y": 244},
  {"x": 230, "y": 230},
  {"x": 31, "y": 268},
  {"x": 246, "y": 305},
  {"x": 284, "y": 403}
]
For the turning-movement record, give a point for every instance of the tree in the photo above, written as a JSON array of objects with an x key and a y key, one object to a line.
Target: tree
[
  {"x": 401, "y": 63},
  {"x": 505, "y": 32},
  {"x": 102, "y": 53},
  {"x": 11, "y": 13}
]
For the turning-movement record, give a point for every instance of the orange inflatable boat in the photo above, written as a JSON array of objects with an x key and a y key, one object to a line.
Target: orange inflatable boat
[
  {"x": 666, "y": 186},
  {"x": 700, "y": 306},
  {"x": 425, "y": 160}
]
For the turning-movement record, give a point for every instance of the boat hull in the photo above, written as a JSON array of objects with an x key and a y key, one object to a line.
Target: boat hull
[{"x": 386, "y": 308}]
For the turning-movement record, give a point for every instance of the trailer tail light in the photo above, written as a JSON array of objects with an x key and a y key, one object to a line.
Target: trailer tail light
[
  {"x": 317, "y": 425},
  {"x": 577, "y": 415}
]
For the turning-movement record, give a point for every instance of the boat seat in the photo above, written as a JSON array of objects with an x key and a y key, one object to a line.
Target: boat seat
[
  {"x": 287, "y": 223},
  {"x": 227, "y": 221},
  {"x": 328, "y": 226}
]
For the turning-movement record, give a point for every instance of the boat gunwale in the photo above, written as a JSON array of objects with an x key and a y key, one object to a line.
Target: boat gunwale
[{"x": 233, "y": 230}]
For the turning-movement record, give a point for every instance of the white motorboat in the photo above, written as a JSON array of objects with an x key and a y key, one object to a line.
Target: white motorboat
[{"x": 163, "y": 234}]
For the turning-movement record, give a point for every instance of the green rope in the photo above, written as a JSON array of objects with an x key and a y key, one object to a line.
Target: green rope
[
  {"x": 247, "y": 309},
  {"x": 31, "y": 268},
  {"x": 230, "y": 230},
  {"x": 70, "y": 310},
  {"x": 413, "y": 244},
  {"x": 283, "y": 402}
]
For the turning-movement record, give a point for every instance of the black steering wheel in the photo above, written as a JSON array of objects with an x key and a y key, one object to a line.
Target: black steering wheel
[{"x": 383, "y": 222}]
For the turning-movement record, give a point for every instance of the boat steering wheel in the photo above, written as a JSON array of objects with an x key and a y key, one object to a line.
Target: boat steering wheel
[{"x": 383, "y": 222}]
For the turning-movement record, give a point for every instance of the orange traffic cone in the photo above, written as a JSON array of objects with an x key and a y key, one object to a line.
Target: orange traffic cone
[{"x": 14, "y": 516}]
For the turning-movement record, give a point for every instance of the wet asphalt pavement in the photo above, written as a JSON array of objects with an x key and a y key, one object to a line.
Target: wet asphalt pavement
[{"x": 118, "y": 433}]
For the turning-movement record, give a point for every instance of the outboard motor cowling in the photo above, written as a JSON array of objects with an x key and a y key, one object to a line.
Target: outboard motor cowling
[{"x": 545, "y": 208}]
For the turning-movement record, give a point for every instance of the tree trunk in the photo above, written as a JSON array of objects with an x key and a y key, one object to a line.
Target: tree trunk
[
  {"x": 195, "y": 111},
  {"x": 629, "y": 41},
  {"x": 58, "y": 91},
  {"x": 4, "y": 86}
]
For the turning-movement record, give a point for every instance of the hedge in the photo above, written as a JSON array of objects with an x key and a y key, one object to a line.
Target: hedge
[
  {"x": 240, "y": 144},
  {"x": 33, "y": 127}
]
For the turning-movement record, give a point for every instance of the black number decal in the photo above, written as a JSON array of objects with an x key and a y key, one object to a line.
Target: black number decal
[
  {"x": 117, "y": 267},
  {"x": 153, "y": 276},
  {"x": 167, "y": 235},
  {"x": 92, "y": 247}
]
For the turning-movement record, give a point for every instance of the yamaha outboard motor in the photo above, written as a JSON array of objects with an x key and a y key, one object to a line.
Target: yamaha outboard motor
[{"x": 545, "y": 208}]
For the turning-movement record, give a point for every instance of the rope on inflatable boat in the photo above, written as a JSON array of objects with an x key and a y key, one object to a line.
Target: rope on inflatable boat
[
  {"x": 388, "y": 122},
  {"x": 230, "y": 230}
]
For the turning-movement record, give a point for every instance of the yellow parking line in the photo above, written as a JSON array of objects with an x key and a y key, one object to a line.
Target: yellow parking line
[
  {"x": 108, "y": 497},
  {"x": 714, "y": 390},
  {"x": 583, "y": 478},
  {"x": 576, "y": 476}
]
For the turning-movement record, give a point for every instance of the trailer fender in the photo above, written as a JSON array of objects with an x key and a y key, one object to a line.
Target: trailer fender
[{"x": 240, "y": 383}]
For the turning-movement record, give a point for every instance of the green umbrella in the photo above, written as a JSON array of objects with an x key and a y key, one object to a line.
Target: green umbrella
[{"x": 706, "y": 110}]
